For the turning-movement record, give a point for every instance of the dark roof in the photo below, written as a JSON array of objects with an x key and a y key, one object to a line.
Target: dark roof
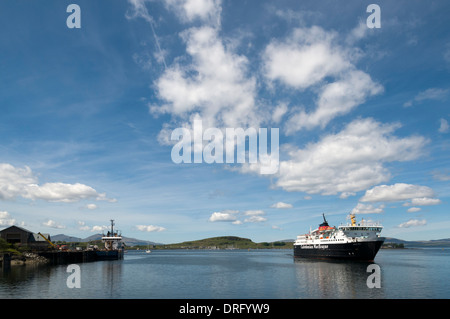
[{"x": 14, "y": 226}]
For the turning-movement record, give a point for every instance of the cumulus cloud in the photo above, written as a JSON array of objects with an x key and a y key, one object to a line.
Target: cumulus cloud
[
  {"x": 281, "y": 205},
  {"x": 150, "y": 228},
  {"x": 215, "y": 85},
  {"x": 224, "y": 216},
  {"x": 346, "y": 162},
  {"x": 336, "y": 98},
  {"x": 249, "y": 216},
  {"x": 367, "y": 209},
  {"x": 423, "y": 201},
  {"x": 412, "y": 195},
  {"x": 99, "y": 228},
  {"x": 398, "y": 192},
  {"x": 21, "y": 182},
  {"x": 305, "y": 59},
  {"x": 6, "y": 219},
  {"x": 413, "y": 223},
  {"x": 207, "y": 11},
  {"x": 53, "y": 224},
  {"x": 82, "y": 225}
]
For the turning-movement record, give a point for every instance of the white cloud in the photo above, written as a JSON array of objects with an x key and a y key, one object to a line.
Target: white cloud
[
  {"x": 346, "y": 162},
  {"x": 444, "y": 127},
  {"x": 207, "y": 11},
  {"x": 253, "y": 212},
  {"x": 82, "y": 225},
  {"x": 214, "y": 85},
  {"x": 306, "y": 59},
  {"x": 336, "y": 98},
  {"x": 60, "y": 192},
  {"x": 138, "y": 9},
  {"x": 281, "y": 205},
  {"x": 91, "y": 206},
  {"x": 53, "y": 224},
  {"x": 99, "y": 228},
  {"x": 150, "y": 228},
  {"x": 232, "y": 216},
  {"x": 226, "y": 216},
  {"x": 345, "y": 195},
  {"x": 413, "y": 223},
  {"x": 414, "y": 209},
  {"x": 423, "y": 201},
  {"x": 397, "y": 192},
  {"x": 429, "y": 94},
  {"x": 279, "y": 112},
  {"x": 15, "y": 182},
  {"x": 255, "y": 219},
  {"x": 5, "y": 219},
  {"x": 441, "y": 176},
  {"x": 357, "y": 33},
  {"x": 367, "y": 209}
]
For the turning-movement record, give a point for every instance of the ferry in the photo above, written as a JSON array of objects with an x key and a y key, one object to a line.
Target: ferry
[{"x": 354, "y": 241}]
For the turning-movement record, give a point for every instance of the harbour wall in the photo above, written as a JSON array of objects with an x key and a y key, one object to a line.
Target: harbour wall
[{"x": 69, "y": 257}]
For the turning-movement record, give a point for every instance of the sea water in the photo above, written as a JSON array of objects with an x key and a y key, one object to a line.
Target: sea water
[{"x": 236, "y": 274}]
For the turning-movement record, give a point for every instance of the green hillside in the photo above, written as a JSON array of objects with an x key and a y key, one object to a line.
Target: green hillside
[{"x": 225, "y": 242}]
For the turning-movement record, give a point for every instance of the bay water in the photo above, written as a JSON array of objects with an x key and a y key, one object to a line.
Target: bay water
[{"x": 237, "y": 274}]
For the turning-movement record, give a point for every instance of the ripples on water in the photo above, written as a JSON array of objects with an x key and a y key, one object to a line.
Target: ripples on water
[{"x": 236, "y": 274}]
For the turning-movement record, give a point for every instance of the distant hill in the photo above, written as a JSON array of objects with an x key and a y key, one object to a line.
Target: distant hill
[
  {"x": 419, "y": 243},
  {"x": 127, "y": 240},
  {"x": 226, "y": 242},
  {"x": 233, "y": 242},
  {"x": 68, "y": 239}
]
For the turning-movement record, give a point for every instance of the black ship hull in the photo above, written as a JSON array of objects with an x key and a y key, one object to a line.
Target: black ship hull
[
  {"x": 358, "y": 251},
  {"x": 109, "y": 254}
]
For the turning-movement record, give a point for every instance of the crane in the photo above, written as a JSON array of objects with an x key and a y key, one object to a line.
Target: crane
[{"x": 48, "y": 240}]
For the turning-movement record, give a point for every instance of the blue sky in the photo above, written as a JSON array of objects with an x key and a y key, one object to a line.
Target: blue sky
[{"x": 87, "y": 114}]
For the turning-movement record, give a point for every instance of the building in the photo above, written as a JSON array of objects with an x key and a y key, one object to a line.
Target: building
[{"x": 21, "y": 236}]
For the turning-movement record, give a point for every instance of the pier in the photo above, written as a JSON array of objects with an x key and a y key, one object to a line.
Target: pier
[
  {"x": 5, "y": 261},
  {"x": 69, "y": 257}
]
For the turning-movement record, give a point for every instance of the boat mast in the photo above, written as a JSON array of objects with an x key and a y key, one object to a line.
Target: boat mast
[{"x": 112, "y": 227}]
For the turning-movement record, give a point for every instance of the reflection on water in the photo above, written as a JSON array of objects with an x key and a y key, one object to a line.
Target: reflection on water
[
  {"x": 255, "y": 274},
  {"x": 112, "y": 276},
  {"x": 335, "y": 279}
]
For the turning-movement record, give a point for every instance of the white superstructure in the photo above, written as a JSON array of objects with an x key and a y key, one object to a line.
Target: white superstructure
[{"x": 350, "y": 233}]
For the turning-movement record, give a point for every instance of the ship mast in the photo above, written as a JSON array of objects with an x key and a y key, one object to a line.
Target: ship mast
[{"x": 112, "y": 227}]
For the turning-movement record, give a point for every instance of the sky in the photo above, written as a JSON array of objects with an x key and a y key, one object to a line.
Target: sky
[{"x": 91, "y": 97}]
